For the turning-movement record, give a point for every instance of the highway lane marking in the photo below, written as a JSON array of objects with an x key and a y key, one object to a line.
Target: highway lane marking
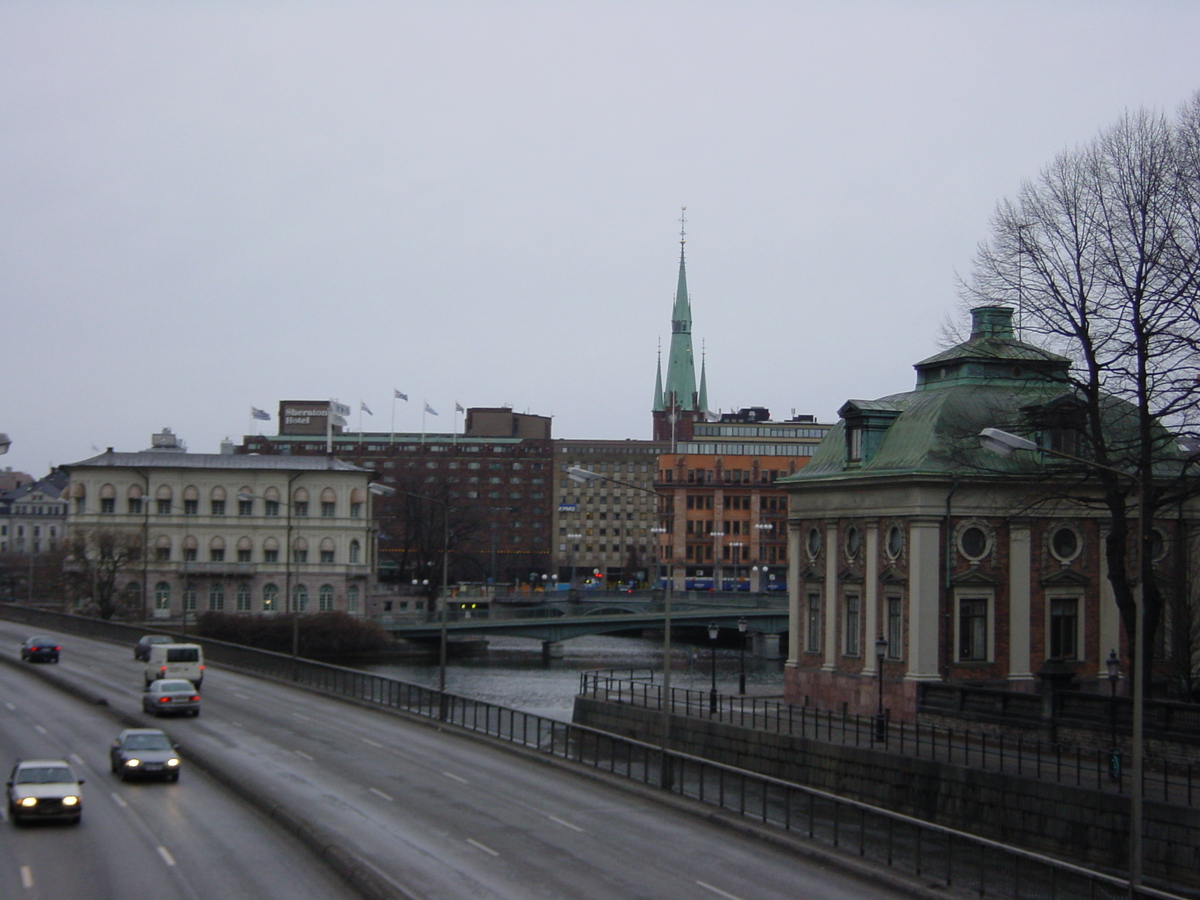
[
  {"x": 718, "y": 891},
  {"x": 40, "y": 730},
  {"x": 297, "y": 715},
  {"x": 10, "y": 707},
  {"x": 240, "y": 696},
  {"x": 371, "y": 743},
  {"x": 119, "y": 800},
  {"x": 483, "y": 847},
  {"x": 167, "y": 857},
  {"x": 303, "y": 755},
  {"x": 562, "y": 823},
  {"x": 26, "y": 877},
  {"x": 456, "y": 778},
  {"x": 379, "y": 793},
  {"x": 77, "y": 759}
]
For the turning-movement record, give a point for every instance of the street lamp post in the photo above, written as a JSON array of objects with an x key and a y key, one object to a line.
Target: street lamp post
[
  {"x": 742, "y": 655},
  {"x": 581, "y": 475},
  {"x": 573, "y": 538},
  {"x": 717, "y": 582},
  {"x": 713, "y": 631},
  {"x": 1005, "y": 444},
  {"x": 737, "y": 546},
  {"x": 1113, "y": 664},
  {"x": 881, "y": 648}
]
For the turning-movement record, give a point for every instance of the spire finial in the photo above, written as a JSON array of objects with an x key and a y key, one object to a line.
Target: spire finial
[{"x": 682, "y": 225}]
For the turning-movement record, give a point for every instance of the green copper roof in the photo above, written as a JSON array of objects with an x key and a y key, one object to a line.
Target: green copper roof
[{"x": 680, "y": 388}]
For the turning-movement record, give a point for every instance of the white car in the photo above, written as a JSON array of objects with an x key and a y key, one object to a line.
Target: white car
[
  {"x": 44, "y": 789},
  {"x": 171, "y": 695}
]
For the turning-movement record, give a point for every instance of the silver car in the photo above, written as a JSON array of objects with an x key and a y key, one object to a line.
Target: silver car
[
  {"x": 144, "y": 753},
  {"x": 171, "y": 695},
  {"x": 44, "y": 789}
]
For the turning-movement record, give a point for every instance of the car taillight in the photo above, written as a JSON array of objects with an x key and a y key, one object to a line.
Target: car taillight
[
  {"x": 162, "y": 669},
  {"x": 57, "y": 647},
  {"x": 195, "y": 697},
  {"x": 164, "y": 699},
  {"x": 201, "y": 667}
]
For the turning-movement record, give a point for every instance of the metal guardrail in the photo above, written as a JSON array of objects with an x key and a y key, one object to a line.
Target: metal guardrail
[
  {"x": 953, "y": 860},
  {"x": 1170, "y": 780}
]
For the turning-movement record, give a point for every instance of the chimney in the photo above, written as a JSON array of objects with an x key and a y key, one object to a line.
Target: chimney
[{"x": 992, "y": 322}]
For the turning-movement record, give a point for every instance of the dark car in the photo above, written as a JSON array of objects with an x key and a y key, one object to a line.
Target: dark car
[
  {"x": 44, "y": 789},
  {"x": 40, "y": 649},
  {"x": 144, "y": 753},
  {"x": 141, "y": 650},
  {"x": 171, "y": 695}
]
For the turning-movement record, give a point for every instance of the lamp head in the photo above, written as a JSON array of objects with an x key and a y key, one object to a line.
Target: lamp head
[
  {"x": 742, "y": 623},
  {"x": 881, "y": 647},
  {"x": 713, "y": 630},
  {"x": 1113, "y": 665},
  {"x": 1002, "y": 442}
]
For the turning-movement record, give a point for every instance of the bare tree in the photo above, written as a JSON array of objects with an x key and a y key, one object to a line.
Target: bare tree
[
  {"x": 1101, "y": 257},
  {"x": 95, "y": 560}
]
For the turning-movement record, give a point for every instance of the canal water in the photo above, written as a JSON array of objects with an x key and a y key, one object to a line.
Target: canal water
[{"x": 511, "y": 671}]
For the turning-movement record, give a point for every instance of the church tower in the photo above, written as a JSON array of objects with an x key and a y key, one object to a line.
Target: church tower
[{"x": 677, "y": 402}]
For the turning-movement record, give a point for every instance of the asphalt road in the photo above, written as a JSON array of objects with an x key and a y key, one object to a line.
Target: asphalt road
[{"x": 433, "y": 814}]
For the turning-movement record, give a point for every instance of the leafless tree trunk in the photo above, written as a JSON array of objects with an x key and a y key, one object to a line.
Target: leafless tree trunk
[{"x": 1101, "y": 257}]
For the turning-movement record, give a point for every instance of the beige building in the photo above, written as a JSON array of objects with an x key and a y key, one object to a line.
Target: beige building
[{"x": 230, "y": 533}]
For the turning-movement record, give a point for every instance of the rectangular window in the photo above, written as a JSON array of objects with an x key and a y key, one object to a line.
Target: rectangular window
[
  {"x": 135, "y": 506},
  {"x": 1064, "y": 622},
  {"x": 356, "y": 510},
  {"x": 162, "y": 554},
  {"x": 301, "y": 508},
  {"x": 895, "y": 628},
  {"x": 217, "y": 554},
  {"x": 326, "y": 556},
  {"x": 813, "y": 637},
  {"x": 218, "y": 507},
  {"x": 243, "y": 554},
  {"x": 271, "y": 556},
  {"x": 191, "y": 507},
  {"x": 189, "y": 554},
  {"x": 108, "y": 505},
  {"x": 164, "y": 507},
  {"x": 245, "y": 507},
  {"x": 300, "y": 556},
  {"x": 852, "y": 620},
  {"x": 327, "y": 510},
  {"x": 972, "y": 629},
  {"x": 271, "y": 508}
]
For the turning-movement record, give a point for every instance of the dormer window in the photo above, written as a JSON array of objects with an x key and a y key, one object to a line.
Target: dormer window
[{"x": 854, "y": 442}]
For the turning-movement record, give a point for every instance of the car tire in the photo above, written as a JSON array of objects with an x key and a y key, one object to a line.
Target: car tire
[
  {"x": 174, "y": 776},
  {"x": 76, "y": 819},
  {"x": 195, "y": 713}
]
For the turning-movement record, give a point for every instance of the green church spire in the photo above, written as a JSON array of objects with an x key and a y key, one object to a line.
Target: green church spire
[{"x": 679, "y": 392}]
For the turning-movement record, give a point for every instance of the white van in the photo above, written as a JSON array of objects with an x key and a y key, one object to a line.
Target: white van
[{"x": 175, "y": 661}]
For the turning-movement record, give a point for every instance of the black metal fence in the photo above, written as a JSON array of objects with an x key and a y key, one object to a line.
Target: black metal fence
[
  {"x": 1171, "y": 780},
  {"x": 961, "y": 863}
]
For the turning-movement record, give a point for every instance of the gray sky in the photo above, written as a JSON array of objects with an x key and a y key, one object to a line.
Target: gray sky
[{"x": 210, "y": 205}]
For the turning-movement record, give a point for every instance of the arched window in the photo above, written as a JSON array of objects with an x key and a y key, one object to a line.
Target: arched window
[
  {"x": 216, "y": 549},
  {"x": 352, "y": 599},
  {"x": 216, "y": 500},
  {"x": 216, "y": 597},
  {"x": 162, "y": 595},
  {"x": 270, "y": 597},
  {"x": 354, "y": 547},
  {"x": 243, "y": 598},
  {"x": 191, "y": 500},
  {"x": 299, "y": 598},
  {"x": 162, "y": 547},
  {"x": 108, "y": 498},
  {"x": 245, "y": 550},
  {"x": 325, "y": 598},
  {"x": 327, "y": 550},
  {"x": 328, "y": 503},
  {"x": 300, "y": 550}
]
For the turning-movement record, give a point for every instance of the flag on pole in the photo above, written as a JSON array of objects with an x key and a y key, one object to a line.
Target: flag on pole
[
  {"x": 256, "y": 413},
  {"x": 429, "y": 409},
  {"x": 458, "y": 407},
  {"x": 400, "y": 396},
  {"x": 365, "y": 408}
]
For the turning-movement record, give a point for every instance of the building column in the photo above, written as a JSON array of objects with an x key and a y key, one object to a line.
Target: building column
[
  {"x": 1020, "y": 568},
  {"x": 924, "y": 597},
  {"x": 832, "y": 602},
  {"x": 871, "y": 595},
  {"x": 793, "y": 587}
]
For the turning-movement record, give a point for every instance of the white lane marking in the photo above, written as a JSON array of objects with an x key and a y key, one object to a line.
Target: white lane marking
[
  {"x": 10, "y": 707},
  {"x": 718, "y": 891},
  {"x": 40, "y": 730},
  {"x": 166, "y": 856},
  {"x": 483, "y": 847},
  {"x": 371, "y": 743},
  {"x": 564, "y": 824},
  {"x": 77, "y": 759},
  {"x": 379, "y": 793},
  {"x": 26, "y": 877},
  {"x": 119, "y": 800},
  {"x": 456, "y": 778},
  {"x": 303, "y": 755},
  {"x": 297, "y": 715},
  {"x": 241, "y": 696}
]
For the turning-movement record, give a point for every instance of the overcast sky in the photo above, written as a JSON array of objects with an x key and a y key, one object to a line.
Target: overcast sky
[{"x": 208, "y": 206}]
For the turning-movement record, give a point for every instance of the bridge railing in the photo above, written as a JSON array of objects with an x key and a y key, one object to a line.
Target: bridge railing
[{"x": 950, "y": 859}]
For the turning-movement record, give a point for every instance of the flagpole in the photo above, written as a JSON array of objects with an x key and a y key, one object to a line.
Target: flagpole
[{"x": 392, "y": 437}]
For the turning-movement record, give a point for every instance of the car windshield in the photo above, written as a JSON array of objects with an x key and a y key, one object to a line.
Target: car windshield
[
  {"x": 147, "y": 742},
  {"x": 44, "y": 775},
  {"x": 168, "y": 686},
  {"x": 39, "y": 640}
]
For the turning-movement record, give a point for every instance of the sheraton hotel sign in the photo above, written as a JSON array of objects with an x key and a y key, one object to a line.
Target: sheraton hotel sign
[{"x": 310, "y": 416}]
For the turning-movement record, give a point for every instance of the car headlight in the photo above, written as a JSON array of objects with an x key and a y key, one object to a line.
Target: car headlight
[
  {"x": 133, "y": 763},
  {"x": 28, "y": 801},
  {"x": 172, "y": 762},
  {"x": 70, "y": 800}
]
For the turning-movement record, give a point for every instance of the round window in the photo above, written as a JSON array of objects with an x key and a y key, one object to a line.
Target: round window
[
  {"x": 853, "y": 541},
  {"x": 895, "y": 541},
  {"x": 814, "y": 542},
  {"x": 1064, "y": 544},
  {"x": 1158, "y": 545},
  {"x": 973, "y": 542}
]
